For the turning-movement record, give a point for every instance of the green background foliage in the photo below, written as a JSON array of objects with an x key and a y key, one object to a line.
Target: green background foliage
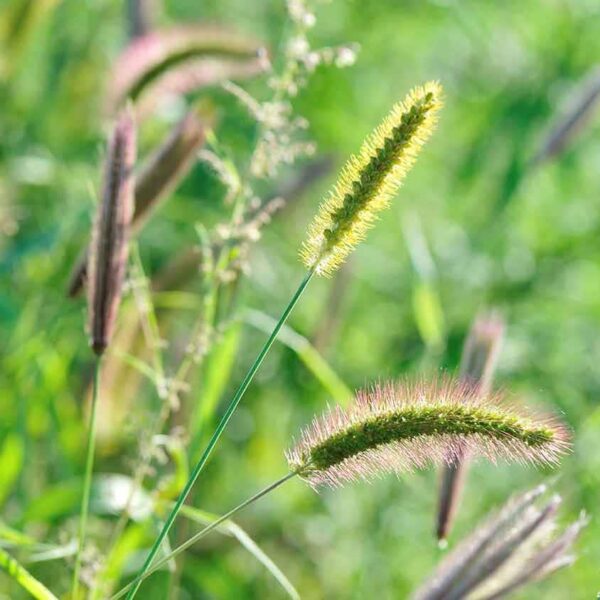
[{"x": 500, "y": 234}]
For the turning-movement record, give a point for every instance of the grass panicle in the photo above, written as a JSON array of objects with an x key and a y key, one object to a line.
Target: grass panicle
[
  {"x": 517, "y": 545},
  {"x": 108, "y": 254},
  {"x": 479, "y": 357},
  {"x": 406, "y": 425},
  {"x": 147, "y": 59},
  {"x": 369, "y": 180},
  {"x": 160, "y": 174}
]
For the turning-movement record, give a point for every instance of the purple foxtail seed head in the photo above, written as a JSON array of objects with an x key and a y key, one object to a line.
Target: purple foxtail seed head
[
  {"x": 519, "y": 544},
  {"x": 109, "y": 248},
  {"x": 158, "y": 176}
]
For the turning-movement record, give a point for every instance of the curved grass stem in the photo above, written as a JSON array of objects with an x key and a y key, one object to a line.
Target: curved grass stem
[
  {"x": 219, "y": 431},
  {"x": 134, "y": 585},
  {"x": 87, "y": 482}
]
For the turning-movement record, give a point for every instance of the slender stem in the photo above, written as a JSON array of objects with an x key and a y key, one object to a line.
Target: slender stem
[
  {"x": 219, "y": 430},
  {"x": 87, "y": 482},
  {"x": 161, "y": 563}
]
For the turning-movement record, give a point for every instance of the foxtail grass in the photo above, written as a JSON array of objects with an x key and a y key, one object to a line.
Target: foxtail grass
[
  {"x": 157, "y": 178},
  {"x": 107, "y": 264},
  {"x": 392, "y": 149},
  {"x": 573, "y": 120},
  {"x": 149, "y": 58},
  {"x": 399, "y": 427},
  {"x": 370, "y": 179},
  {"x": 108, "y": 256},
  {"x": 517, "y": 545}
]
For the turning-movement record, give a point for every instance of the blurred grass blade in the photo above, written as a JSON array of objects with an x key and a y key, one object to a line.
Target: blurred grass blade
[
  {"x": 25, "y": 579},
  {"x": 37, "y": 551},
  {"x": 19, "y": 21},
  {"x": 427, "y": 308},
  {"x": 45, "y": 554},
  {"x": 11, "y": 459},
  {"x": 216, "y": 377},
  {"x": 429, "y": 316},
  {"x": 139, "y": 365},
  {"x": 12, "y": 537},
  {"x": 573, "y": 120},
  {"x": 307, "y": 353},
  {"x": 53, "y": 503},
  {"x": 133, "y": 539},
  {"x": 230, "y": 527}
]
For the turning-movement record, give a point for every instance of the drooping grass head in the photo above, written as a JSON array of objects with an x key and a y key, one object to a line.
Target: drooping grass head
[
  {"x": 369, "y": 180},
  {"x": 402, "y": 426}
]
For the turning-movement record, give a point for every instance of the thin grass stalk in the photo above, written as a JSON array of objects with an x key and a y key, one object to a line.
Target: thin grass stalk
[
  {"x": 149, "y": 327},
  {"x": 477, "y": 368},
  {"x": 219, "y": 430},
  {"x": 232, "y": 529},
  {"x": 133, "y": 586},
  {"x": 87, "y": 481},
  {"x": 141, "y": 17}
]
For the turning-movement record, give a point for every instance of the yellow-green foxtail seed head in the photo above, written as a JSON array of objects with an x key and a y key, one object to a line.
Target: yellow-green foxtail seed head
[{"x": 370, "y": 179}]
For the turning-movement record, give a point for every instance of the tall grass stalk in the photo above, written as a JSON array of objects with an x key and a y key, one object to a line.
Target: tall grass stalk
[
  {"x": 87, "y": 481},
  {"x": 219, "y": 430},
  {"x": 135, "y": 584}
]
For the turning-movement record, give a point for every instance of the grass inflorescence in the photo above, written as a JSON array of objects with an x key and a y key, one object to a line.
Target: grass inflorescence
[
  {"x": 369, "y": 180},
  {"x": 401, "y": 426},
  {"x": 109, "y": 248},
  {"x": 516, "y": 545}
]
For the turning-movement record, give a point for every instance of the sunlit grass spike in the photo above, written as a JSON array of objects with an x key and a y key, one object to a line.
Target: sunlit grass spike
[{"x": 370, "y": 179}]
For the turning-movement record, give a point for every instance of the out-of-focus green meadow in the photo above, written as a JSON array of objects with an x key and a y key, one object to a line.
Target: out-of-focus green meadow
[{"x": 475, "y": 226}]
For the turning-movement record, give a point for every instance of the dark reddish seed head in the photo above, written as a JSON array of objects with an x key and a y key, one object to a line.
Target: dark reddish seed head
[{"x": 108, "y": 253}]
